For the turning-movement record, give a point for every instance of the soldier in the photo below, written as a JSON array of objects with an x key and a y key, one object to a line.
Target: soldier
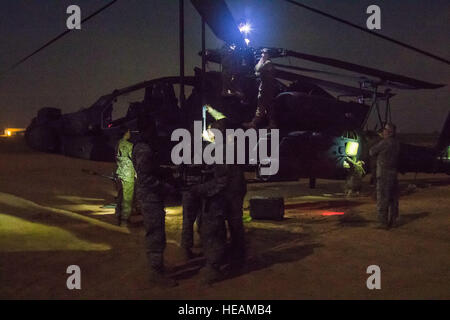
[
  {"x": 354, "y": 177},
  {"x": 125, "y": 174},
  {"x": 223, "y": 196},
  {"x": 387, "y": 153},
  {"x": 150, "y": 192},
  {"x": 235, "y": 191},
  {"x": 267, "y": 92},
  {"x": 373, "y": 139},
  {"x": 213, "y": 231}
]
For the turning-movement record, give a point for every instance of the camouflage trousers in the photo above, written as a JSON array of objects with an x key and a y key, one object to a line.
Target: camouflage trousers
[
  {"x": 154, "y": 216},
  {"x": 236, "y": 227},
  {"x": 213, "y": 230},
  {"x": 125, "y": 199},
  {"x": 387, "y": 197},
  {"x": 192, "y": 208},
  {"x": 217, "y": 211}
]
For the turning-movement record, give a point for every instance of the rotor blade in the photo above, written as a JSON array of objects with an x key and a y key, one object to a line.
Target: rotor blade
[
  {"x": 317, "y": 71},
  {"x": 59, "y": 36},
  {"x": 348, "y": 77},
  {"x": 383, "y": 75},
  {"x": 286, "y": 75},
  {"x": 433, "y": 56},
  {"x": 219, "y": 18}
]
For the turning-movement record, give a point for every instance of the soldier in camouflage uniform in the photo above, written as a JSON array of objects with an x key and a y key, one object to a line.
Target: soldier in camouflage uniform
[
  {"x": 387, "y": 152},
  {"x": 125, "y": 174},
  {"x": 235, "y": 191},
  {"x": 372, "y": 139},
  {"x": 150, "y": 192},
  {"x": 267, "y": 92},
  {"x": 212, "y": 229},
  {"x": 223, "y": 195}
]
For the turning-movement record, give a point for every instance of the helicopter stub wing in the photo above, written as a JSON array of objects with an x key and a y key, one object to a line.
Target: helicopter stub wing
[{"x": 219, "y": 18}]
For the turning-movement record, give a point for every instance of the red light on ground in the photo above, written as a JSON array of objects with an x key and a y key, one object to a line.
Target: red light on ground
[{"x": 331, "y": 213}]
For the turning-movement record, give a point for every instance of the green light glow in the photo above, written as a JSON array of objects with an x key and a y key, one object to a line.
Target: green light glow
[
  {"x": 351, "y": 149},
  {"x": 217, "y": 115}
]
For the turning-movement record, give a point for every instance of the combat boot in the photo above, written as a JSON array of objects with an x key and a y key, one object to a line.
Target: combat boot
[
  {"x": 188, "y": 254},
  {"x": 159, "y": 278},
  {"x": 126, "y": 223},
  {"x": 392, "y": 220},
  {"x": 210, "y": 274}
]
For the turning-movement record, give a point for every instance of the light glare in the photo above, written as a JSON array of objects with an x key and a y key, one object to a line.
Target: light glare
[
  {"x": 351, "y": 149},
  {"x": 245, "y": 28}
]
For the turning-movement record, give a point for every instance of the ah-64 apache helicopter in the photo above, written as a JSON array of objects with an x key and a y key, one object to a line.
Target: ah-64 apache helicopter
[{"x": 320, "y": 133}]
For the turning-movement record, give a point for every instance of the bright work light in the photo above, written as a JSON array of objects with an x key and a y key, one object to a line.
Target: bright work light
[
  {"x": 351, "y": 149},
  {"x": 245, "y": 28}
]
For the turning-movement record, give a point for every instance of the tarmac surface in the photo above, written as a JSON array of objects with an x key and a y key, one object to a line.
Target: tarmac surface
[{"x": 51, "y": 217}]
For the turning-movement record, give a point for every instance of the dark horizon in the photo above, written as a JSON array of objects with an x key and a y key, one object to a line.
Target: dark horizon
[{"x": 117, "y": 48}]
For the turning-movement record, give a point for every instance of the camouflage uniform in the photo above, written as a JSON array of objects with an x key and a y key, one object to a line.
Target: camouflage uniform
[
  {"x": 235, "y": 192},
  {"x": 223, "y": 197},
  {"x": 192, "y": 207},
  {"x": 266, "y": 93},
  {"x": 387, "y": 153},
  {"x": 125, "y": 172},
  {"x": 372, "y": 140},
  {"x": 149, "y": 195},
  {"x": 212, "y": 228},
  {"x": 354, "y": 177}
]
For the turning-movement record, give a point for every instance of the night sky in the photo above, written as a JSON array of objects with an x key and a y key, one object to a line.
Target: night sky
[{"x": 137, "y": 40}]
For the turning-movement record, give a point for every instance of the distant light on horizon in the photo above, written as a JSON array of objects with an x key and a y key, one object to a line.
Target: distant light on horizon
[
  {"x": 331, "y": 213},
  {"x": 9, "y": 132}
]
